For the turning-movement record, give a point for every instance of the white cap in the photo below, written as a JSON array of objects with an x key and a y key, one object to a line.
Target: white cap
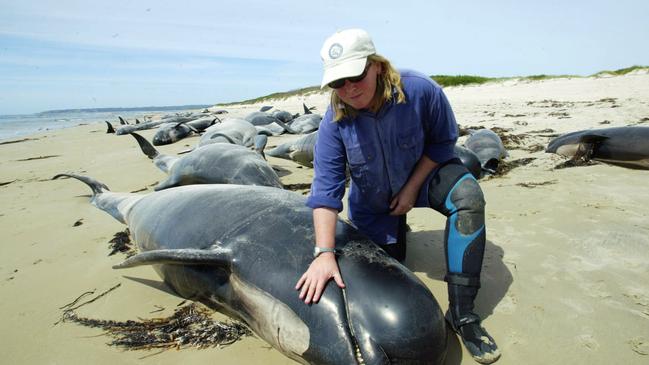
[{"x": 345, "y": 54}]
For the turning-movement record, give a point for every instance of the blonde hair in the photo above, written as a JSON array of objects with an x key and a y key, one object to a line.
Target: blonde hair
[{"x": 388, "y": 85}]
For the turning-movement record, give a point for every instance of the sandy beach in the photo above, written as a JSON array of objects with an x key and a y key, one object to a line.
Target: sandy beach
[{"x": 566, "y": 270}]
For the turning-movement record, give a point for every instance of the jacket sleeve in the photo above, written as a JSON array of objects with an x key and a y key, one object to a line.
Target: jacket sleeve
[
  {"x": 329, "y": 162},
  {"x": 441, "y": 127}
]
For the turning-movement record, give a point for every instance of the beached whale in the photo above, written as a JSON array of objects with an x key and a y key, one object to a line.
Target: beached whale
[
  {"x": 261, "y": 118},
  {"x": 272, "y": 129},
  {"x": 283, "y": 115},
  {"x": 469, "y": 159},
  {"x": 126, "y": 129},
  {"x": 489, "y": 148},
  {"x": 241, "y": 249},
  {"x": 304, "y": 124},
  {"x": 202, "y": 123},
  {"x": 230, "y": 130},
  {"x": 217, "y": 163},
  {"x": 173, "y": 132},
  {"x": 299, "y": 150},
  {"x": 622, "y": 146}
]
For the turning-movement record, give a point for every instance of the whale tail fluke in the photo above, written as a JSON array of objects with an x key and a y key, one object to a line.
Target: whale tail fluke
[
  {"x": 96, "y": 186},
  {"x": 116, "y": 204}
]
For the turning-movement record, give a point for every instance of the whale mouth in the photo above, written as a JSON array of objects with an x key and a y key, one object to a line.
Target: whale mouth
[
  {"x": 370, "y": 352},
  {"x": 357, "y": 348},
  {"x": 491, "y": 165}
]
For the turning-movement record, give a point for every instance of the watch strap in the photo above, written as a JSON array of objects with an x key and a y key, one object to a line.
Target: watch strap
[{"x": 318, "y": 250}]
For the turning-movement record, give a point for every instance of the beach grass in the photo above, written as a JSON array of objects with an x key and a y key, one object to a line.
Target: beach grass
[
  {"x": 623, "y": 71},
  {"x": 450, "y": 80},
  {"x": 276, "y": 96},
  {"x": 442, "y": 80}
]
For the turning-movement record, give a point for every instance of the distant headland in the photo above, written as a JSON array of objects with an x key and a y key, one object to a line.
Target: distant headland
[{"x": 130, "y": 109}]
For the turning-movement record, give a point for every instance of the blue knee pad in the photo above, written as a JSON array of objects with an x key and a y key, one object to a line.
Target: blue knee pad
[{"x": 465, "y": 229}]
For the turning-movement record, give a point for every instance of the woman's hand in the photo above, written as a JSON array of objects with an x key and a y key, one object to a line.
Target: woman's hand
[
  {"x": 403, "y": 201},
  {"x": 407, "y": 196},
  {"x": 322, "y": 269}
]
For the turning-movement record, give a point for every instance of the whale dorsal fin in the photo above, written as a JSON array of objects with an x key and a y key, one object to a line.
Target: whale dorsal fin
[
  {"x": 146, "y": 147},
  {"x": 184, "y": 256},
  {"x": 110, "y": 127}
]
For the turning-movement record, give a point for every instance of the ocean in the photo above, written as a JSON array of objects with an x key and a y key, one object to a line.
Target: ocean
[{"x": 20, "y": 126}]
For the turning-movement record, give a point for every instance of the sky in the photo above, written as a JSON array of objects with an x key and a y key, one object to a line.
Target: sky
[{"x": 126, "y": 53}]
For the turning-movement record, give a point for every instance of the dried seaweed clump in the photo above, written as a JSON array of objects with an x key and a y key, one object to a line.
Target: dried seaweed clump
[
  {"x": 121, "y": 242},
  {"x": 505, "y": 167},
  {"x": 575, "y": 162},
  {"x": 189, "y": 326}
]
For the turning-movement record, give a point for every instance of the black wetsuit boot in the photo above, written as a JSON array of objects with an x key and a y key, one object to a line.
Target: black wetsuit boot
[{"x": 462, "y": 291}]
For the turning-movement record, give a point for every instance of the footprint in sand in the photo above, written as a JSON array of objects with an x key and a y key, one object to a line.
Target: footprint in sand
[
  {"x": 638, "y": 299},
  {"x": 589, "y": 342},
  {"x": 597, "y": 290},
  {"x": 639, "y": 345}
]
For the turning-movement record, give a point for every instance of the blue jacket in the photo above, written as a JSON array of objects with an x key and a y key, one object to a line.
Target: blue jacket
[{"x": 381, "y": 151}]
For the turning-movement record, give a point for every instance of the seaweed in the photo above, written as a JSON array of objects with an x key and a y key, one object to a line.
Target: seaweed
[
  {"x": 38, "y": 158},
  {"x": 505, "y": 167},
  {"x": 189, "y": 326},
  {"x": 121, "y": 242},
  {"x": 575, "y": 162}
]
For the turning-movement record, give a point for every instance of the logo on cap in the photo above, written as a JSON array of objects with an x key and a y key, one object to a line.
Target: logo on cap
[{"x": 335, "y": 51}]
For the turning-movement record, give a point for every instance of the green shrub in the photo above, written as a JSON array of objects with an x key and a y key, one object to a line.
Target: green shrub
[{"x": 448, "y": 80}]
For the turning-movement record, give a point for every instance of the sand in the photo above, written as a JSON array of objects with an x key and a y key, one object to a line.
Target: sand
[{"x": 565, "y": 278}]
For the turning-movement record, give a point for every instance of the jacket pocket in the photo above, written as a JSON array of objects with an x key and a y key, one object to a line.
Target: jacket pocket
[
  {"x": 410, "y": 146},
  {"x": 358, "y": 167},
  {"x": 409, "y": 138}
]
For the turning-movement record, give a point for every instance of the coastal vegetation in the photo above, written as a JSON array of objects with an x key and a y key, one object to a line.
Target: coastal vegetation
[{"x": 442, "y": 80}]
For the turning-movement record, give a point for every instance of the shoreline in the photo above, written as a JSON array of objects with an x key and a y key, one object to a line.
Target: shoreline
[{"x": 564, "y": 274}]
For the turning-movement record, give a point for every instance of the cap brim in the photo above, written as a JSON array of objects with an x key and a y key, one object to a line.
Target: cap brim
[{"x": 349, "y": 68}]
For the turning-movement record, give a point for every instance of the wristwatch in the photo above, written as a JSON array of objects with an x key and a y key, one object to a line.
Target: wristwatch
[{"x": 318, "y": 250}]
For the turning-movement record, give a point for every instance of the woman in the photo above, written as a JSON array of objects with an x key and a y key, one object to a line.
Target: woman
[{"x": 395, "y": 131}]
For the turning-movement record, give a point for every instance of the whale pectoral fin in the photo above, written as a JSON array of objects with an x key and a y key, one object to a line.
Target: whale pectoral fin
[
  {"x": 286, "y": 127},
  {"x": 187, "y": 256},
  {"x": 588, "y": 144},
  {"x": 193, "y": 129}
]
